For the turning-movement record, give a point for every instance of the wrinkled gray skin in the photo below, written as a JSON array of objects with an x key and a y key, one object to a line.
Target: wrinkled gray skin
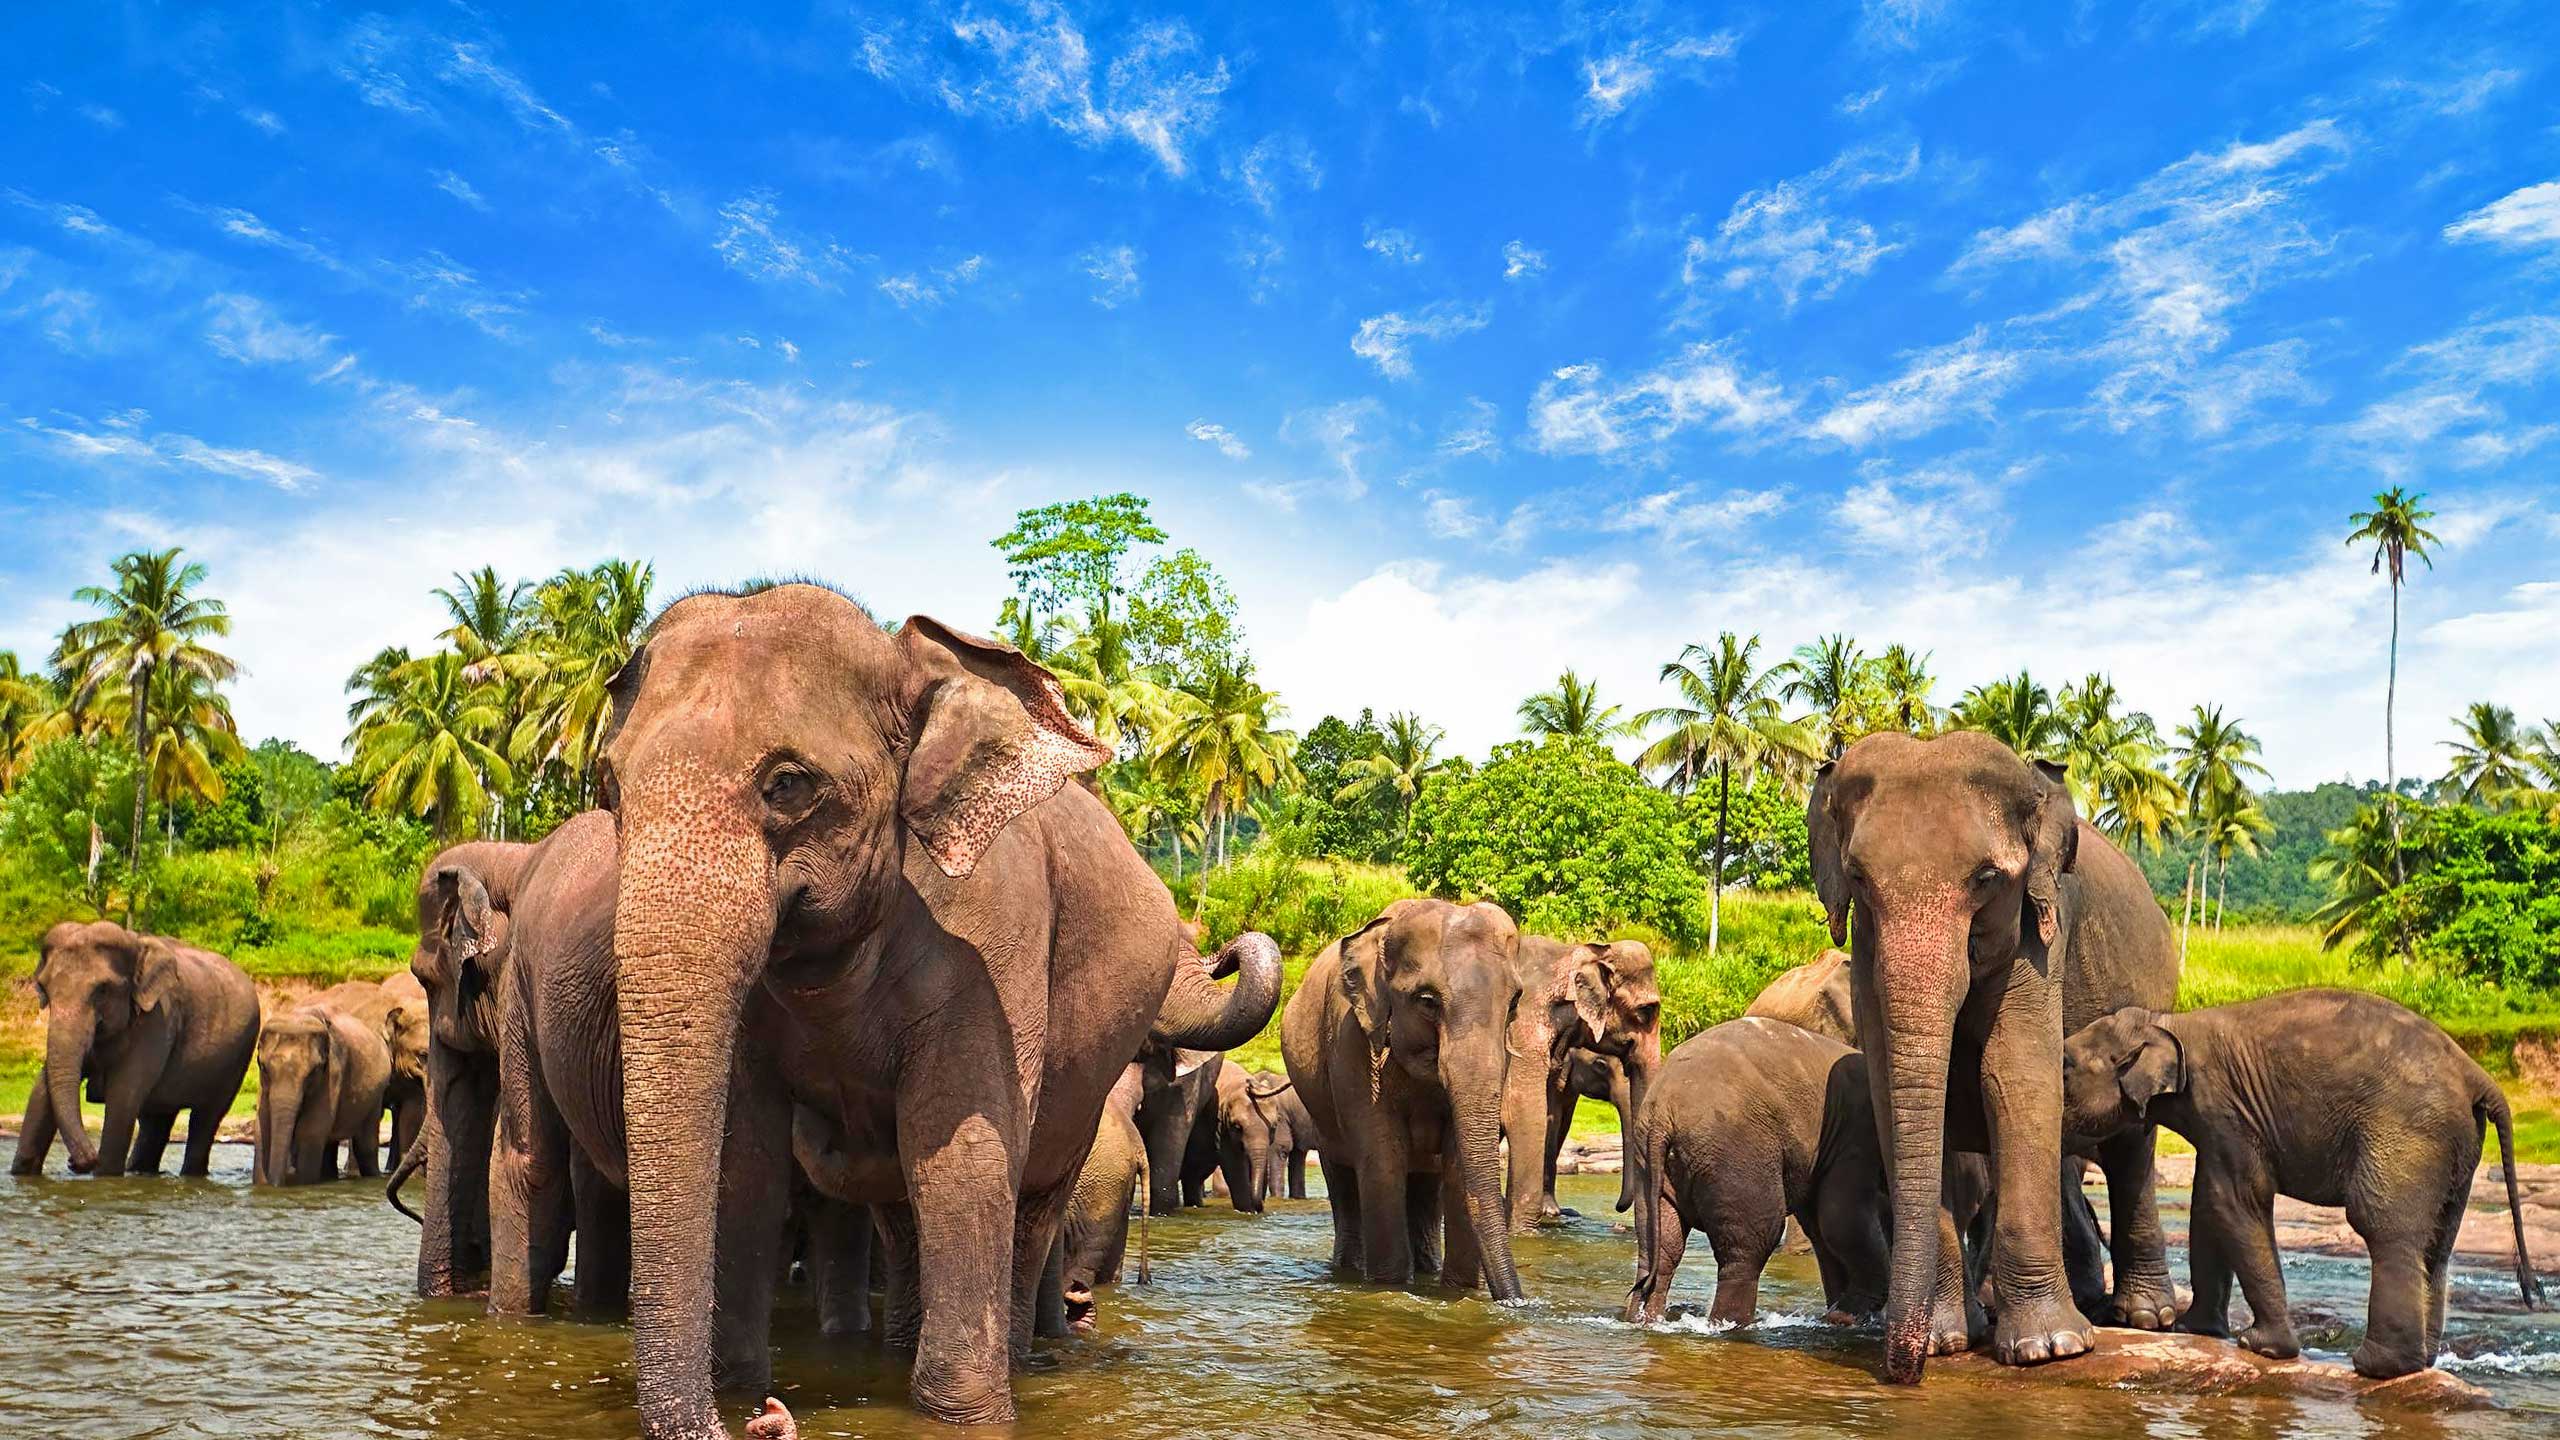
[
  {"x": 464, "y": 892},
  {"x": 1754, "y": 1121},
  {"x": 394, "y": 1009},
  {"x": 1178, "y": 1115},
  {"x": 322, "y": 1073},
  {"x": 876, "y": 831},
  {"x": 1813, "y": 996},
  {"x": 1601, "y": 999},
  {"x": 2332, "y": 1098},
  {"x": 1596, "y": 1077},
  {"x": 1093, "y": 1240},
  {"x": 155, "y": 1027},
  {"x": 1990, "y": 922},
  {"x": 1397, "y": 1040},
  {"x": 1263, "y": 1138}
]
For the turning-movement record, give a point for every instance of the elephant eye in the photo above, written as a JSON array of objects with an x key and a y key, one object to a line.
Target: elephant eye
[
  {"x": 1428, "y": 1000},
  {"x": 789, "y": 790},
  {"x": 1989, "y": 874},
  {"x": 1645, "y": 1013}
]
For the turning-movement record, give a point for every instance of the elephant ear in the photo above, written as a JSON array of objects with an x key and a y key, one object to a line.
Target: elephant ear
[
  {"x": 155, "y": 972},
  {"x": 991, "y": 737},
  {"x": 2054, "y": 848},
  {"x": 470, "y": 920},
  {"x": 1363, "y": 977},
  {"x": 1827, "y": 840},
  {"x": 1589, "y": 986},
  {"x": 2158, "y": 1064}
]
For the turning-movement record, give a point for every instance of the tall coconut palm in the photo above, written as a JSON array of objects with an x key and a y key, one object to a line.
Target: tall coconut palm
[
  {"x": 1824, "y": 676},
  {"x": 150, "y": 620},
  {"x": 1904, "y": 682},
  {"x": 2016, "y": 711},
  {"x": 1223, "y": 736},
  {"x": 2231, "y": 823},
  {"x": 192, "y": 736},
  {"x": 586, "y": 624},
  {"x": 2493, "y": 761},
  {"x": 1407, "y": 755},
  {"x": 27, "y": 701},
  {"x": 1727, "y": 719},
  {"x": 489, "y": 617},
  {"x": 1573, "y": 710},
  {"x": 427, "y": 749},
  {"x": 2113, "y": 763},
  {"x": 2396, "y": 529},
  {"x": 2215, "y": 757}
]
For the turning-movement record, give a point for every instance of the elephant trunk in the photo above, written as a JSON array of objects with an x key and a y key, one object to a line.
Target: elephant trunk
[
  {"x": 1636, "y": 1073},
  {"x": 1200, "y": 1014},
  {"x": 693, "y": 929},
  {"x": 1475, "y": 1119},
  {"x": 1247, "y": 1162},
  {"x": 279, "y": 1101},
  {"x": 66, "y": 1049},
  {"x": 1920, "y": 986},
  {"x": 453, "y": 1243},
  {"x": 410, "y": 1160}
]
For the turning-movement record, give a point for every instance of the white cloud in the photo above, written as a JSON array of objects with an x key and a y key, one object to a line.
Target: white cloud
[
  {"x": 266, "y": 120},
  {"x": 470, "y": 63},
  {"x": 1962, "y": 377},
  {"x": 244, "y": 328},
  {"x": 1925, "y": 516},
  {"x": 1577, "y": 411},
  {"x": 1789, "y": 240},
  {"x": 1157, "y": 92},
  {"x": 1391, "y": 243},
  {"x": 2455, "y": 411},
  {"x": 246, "y": 226},
  {"x": 1474, "y": 433},
  {"x": 123, "y": 439},
  {"x": 1902, "y": 22},
  {"x": 1211, "y": 433},
  {"x": 1519, "y": 262},
  {"x": 1614, "y": 81},
  {"x": 1114, "y": 269},
  {"x": 460, "y": 189},
  {"x": 929, "y": 288},
  {"x": 1275, "y": 164},
  {"x": 2527, "y": 218},
  {"x": 752, "y": 240},
  {"x": 102, "y": 117},
  {"x": 1344, "y": 433},
  {"x": 1450, "y": 517},
  {"x": 1680, "y": 517},
  {"x": 1386, "y": 341}
]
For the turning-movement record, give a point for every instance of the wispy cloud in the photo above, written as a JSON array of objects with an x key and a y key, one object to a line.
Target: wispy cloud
[
  {"x": 1391, "y": 243},
  {"x": 1387, "y": 341},
  {"x": 753, "y": 240},
  {"x": 243, "y": 328},
  {"x": 460, "y": 189},
  {"x": 1611, "y": 82},
  {"x": 1274, "y": 165},
  {"x": 1114, "y": 272},
  {"x": 1926, "y": 516},
  {"x": 1789, "y": 239},
  {"x": 931, "y": 287},
  {"x": 1345, "y": 434},
  {"x": 1962, "y": 377},
  {"x": 2526, "y": 219},
  {"x": 1211, "y": 433},
  {"x": 1579, "y": 411},
  {"x": 122, "y": 439},
  {"x": 1519, "y": 262},
  {"x": 1681, "y": 517}
]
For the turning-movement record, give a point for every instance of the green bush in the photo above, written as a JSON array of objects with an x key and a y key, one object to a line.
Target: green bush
[{"x": 202, "y": 898}]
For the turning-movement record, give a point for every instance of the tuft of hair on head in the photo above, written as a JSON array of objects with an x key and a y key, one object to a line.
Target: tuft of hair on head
[{"x": 757, "y": 585}]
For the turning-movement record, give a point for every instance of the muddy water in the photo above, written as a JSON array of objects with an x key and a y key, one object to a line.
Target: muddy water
[{"x": 170, "y": 1308}]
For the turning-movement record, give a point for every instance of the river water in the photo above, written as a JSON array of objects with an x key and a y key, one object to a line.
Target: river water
[{"x": 207, "y": 1308}]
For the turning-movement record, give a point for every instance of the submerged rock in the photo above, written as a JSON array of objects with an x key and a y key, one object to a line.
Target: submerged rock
[{"x": 2202, "y": 1365}]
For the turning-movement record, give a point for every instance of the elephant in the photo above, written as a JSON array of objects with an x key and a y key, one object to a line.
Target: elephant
[
  {"x": 1263, "y": 1138},
  {"x": 877, "y": 833},
  {"x": 394, "y": 1008},
  {"x": 1991, "y": 921},
  {"x": 1755, "y": 1121},
  {"x": 1094, "y": 1237},
  {"x": 464, "y": 893},
  {"x": 1293, "y": 1132},
  {"x": 155, "y": 1026},
  {"x": 1600, "y": 998},
  {"x": 2331, "y": 1097},
  {"x": 1813, "y": 996},
  {"x": 1398, "y": 1041},
  {"x": 322, "y": 1074},
  {"x": 1179, "y": 1118}
]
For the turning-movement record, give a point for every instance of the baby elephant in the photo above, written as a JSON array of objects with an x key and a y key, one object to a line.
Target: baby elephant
[
  {"x": 1095, "y": 1235},
  {"x": 321, "y": 1077},
  {"x": 2331, "y": 1097},
  {"x": 1751, "y": 1122}
]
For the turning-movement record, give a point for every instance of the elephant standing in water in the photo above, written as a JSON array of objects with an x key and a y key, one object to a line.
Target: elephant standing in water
[
  {"x": 321, "y": 1077},
  {"x": 962, "y": 949},
  {"x": 1179, "y": 1118},
  {"x": 1264, "y": 1134},
  {"x": 1598, "y": 999},
  {"x": 395, "y": 1009},
  {"x": 1991, "y": 921},
  {"x": 1093, "y": 1240},
  {"x": 463, "y": 928},
  {"x": 155, "y": 1027},
  {"x": 1396, "y": 1039}
]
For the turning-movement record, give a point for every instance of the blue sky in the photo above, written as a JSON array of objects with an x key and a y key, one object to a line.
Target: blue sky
[{"x": 1470, "y": 344}]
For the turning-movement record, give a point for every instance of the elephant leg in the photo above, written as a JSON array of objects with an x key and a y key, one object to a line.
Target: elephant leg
[
  {"x": 752, "y": 1211},
  {"x": 2208, "y": 1260},
  {"x": 2145, "y": 1297},
  {"x": 2400, "y": 1313},
  {"x": 2084, "y": 1248},
  {"x": 1848, "y": 1227},
  {"x": 1039, "y": 1268},
  {"x": 203, "y": 1123},
  {"x": 1956, "y": 1319},
  {"x": 530, "y": 1207},
  {"x": 840, "y": 1267},
  {"x": 962, "y": 1167},
  {"x": 604, "y": 1237},
  {"x": 1342, "y": 1197},
  {"x": 1386, "y": 1235},
  {"x": 1742, "y": 1252},
  {"x": 35, "y": 1133},
  {"x": 366, "y": 1148},
  {"x": 1297, "y": 1174},
  {"x": 150, "y": 1139},
  {"x": 1422, "y": 1222},
  {"x": 1658, "y": 1256},
  {"x": 1561, "y": 1103},
  {"x": 2439, "y": 1267},
  {"x": 2238, "y": 1200},
  {"x": 115, "y": 1137},
  {"x": 408, "y": 1117},
  {"x": 1461, "y": 1260},
  {"x": 2023, "y": 1109},
  {"x": 902, "y": 1303}
]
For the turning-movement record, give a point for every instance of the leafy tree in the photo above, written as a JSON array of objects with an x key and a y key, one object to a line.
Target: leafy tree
[
  {"x": 26, "y": 701},
  {"x": 2016, "y": 711},
  {"x": 489, "y": 619},
  {"x": 1407, "y": 755},
  {"x": 192, "y": 734},
  {"x": 1902, "y": 683},
  {"x": 2396, "y": 529},
  {"x": 2230, "y": 823},
  {"x": 1573, "y": 710},
  {"x": 150, "y": 620},
  {"x": 1182, "y": 620},
  {"x": 2493, "y": 760},
  {"x": 1330, "y": 756},
  {"x": 375, "y": 682},
  {"x": 428, "y": 751},
  {"x": 1770, "y": 847},
  {"x": 69, "y": 813},
  {"x": 1224, "y": 739},
  {"x": 1564, "y": 835},
  {"x": 1827, "y": 676},
  {"x": 2214, "y": 760},
  {"x": 2113, "y": 763},
  {"x": 584, "y": 627},
  {"x": 1065, "y": 558},
  {"x": 1727, "y": 720}
]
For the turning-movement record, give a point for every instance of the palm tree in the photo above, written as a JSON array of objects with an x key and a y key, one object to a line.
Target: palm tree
[
  {"x": 2113, "y": 763},
  {"x": 2396, "y": 528},
  {"x": 2214, "y": 756},
  {"x": 1727, "y": 718},
  {"x": 1904, "y": 680},
  {"x": 192, "y": 735},
  {"x": 2016, "y": 711},
  {"x": 2231, "y": 823},
  {"x": 2362, "y": 868},
  {"x": 427, "y": 750},
  {"x": 489, "y": 618},
  {"x": 1824, "y": 675},
  {"x": 375, "y": 682},
  {"x": 1150, "y": 807},
  {"x": 149, "y": 622},
  {"x": 1224, "y": 738},
  {"x": 1573, "y": 710},
  {"x": 1407, "y": 756},
  {"x": 2494, "y": 760},
  {"x": 27, "y": 700},
  {"x": 586, "y": 624}
]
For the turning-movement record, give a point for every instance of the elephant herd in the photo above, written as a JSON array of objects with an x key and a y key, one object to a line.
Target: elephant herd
[{"x": 850, "y": 971}]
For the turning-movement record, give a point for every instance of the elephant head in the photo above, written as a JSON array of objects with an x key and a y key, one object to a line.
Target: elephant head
[
  {"x": 1949, "y": 852},
  {"x": 93, "y": 982},
  {"x": 2114, "y": 1068},
  {"x": 1618, "y": 1002},
  {"x": 773, "y": 758},
  {"x": 1433, "y": 986},
  {"x": 1249, "y": 1131},
  {"x": 301, "y": 1062},
  {"x": 461, "y": 950}
]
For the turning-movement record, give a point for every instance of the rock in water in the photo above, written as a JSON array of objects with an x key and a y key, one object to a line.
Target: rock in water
[{"x": 2201, "y": 1365}]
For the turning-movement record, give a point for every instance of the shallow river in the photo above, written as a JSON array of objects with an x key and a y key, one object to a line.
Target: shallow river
[{"x": 169, "y": 1308}]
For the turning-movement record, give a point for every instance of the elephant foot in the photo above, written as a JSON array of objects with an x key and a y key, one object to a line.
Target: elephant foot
[
  {"x": 2032, "y": 1332},
  {"x": 2381, "y": 1362},
  {"x": 2144, "y": 1305},
  {"x": 84, "y": 1167},
  {"x": 26, "y": 1167},
  {"x": 1953, "y": 1327},
  {"x": 2276, "y": 1342},
  {"x": 2216, "y": 1327},
  {"x": 774, "y": 1422}
]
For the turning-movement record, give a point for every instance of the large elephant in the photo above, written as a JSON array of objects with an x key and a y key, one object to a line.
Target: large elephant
[
  {"x": 1179, "y": 1118},
  {"x": 155, "y": 1027},
  {"x": 1813, "y": 996},
  {"x": 878, "y": 833},
  {"x": 1397, "y": 1041},
  {"x": 1990, "y": 920},
  {"x": 1600, "y": 998},
  {"x": 322, "y": 1074}
]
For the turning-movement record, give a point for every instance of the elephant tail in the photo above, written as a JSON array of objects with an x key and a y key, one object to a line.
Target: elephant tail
[
  {"x": 408, "y": 1166},
  {"x": 1653, "y": 1146},
  {"x": 1145, "y": 1212},
  {"x": 2492, "y": 1106}
]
